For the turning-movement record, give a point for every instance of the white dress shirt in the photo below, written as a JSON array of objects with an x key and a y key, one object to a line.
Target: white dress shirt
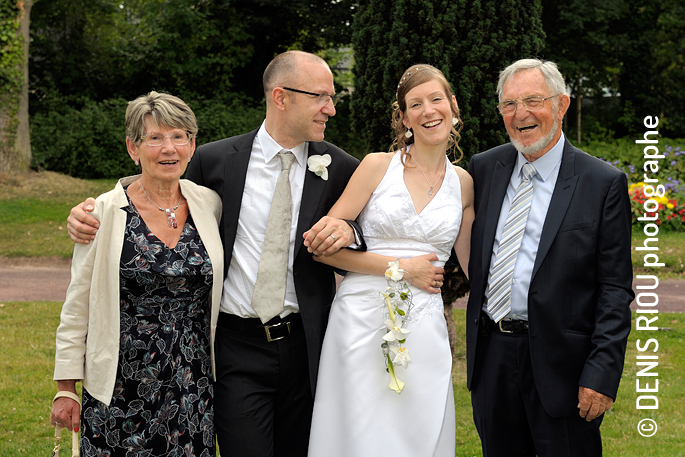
[
  {"x": 260, "y": 183},
  {"x": 547, "y": 168}
]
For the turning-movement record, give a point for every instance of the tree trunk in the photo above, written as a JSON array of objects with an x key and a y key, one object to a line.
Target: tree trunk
[
  {"x": 15, "y": 141},
  {"x": 579, "y": 103}
]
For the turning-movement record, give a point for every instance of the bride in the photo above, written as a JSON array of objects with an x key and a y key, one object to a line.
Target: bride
[{"x": 384, "y": 385}]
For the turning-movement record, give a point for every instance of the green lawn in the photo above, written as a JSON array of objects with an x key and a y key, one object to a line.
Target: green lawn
[
  {"x": 35, "y": 209},
  {"x": 671, "y": 252},
  {"x": 27, "y": 342}
]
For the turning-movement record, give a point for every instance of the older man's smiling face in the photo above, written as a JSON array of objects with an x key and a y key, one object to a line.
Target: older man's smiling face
[{"x": 533, "y": 133}]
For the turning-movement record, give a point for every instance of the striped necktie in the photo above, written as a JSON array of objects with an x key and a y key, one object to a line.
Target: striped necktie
[{"x": 498, "y": 293}]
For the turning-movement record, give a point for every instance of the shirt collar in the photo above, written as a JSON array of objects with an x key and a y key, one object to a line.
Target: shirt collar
[
  {"x": 546, "y": 164},
  {"x": 270, "y": 147}
]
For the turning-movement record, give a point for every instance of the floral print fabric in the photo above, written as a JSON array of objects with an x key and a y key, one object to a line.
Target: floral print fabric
[{"x": 163, "y": 396}]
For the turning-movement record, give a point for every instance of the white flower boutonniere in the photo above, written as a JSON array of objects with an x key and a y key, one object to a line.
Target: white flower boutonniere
[
  {"x": 396, "y": 310},
  {"x": 318, "y": 165}
]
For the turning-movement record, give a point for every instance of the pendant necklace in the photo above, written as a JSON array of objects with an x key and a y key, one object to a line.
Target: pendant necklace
[
  {"x": 170, "y": 212},
  {"x": 430, "y": 192}
]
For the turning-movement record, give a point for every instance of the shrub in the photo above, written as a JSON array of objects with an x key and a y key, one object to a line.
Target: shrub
[
  {"x": 88, "y": 141},
  {"x": 85, "y": 143},
  {"x": 628, "y": 156}
]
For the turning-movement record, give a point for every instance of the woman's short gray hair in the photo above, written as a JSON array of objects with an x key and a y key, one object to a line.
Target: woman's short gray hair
[
  {"x": 166, "y": 111},
  {"x": 553, "y": 78}
]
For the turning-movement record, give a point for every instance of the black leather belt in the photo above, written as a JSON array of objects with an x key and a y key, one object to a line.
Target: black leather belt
[
  {"x": 274, "y": 330},
  {"x": 505, "y": 326}
]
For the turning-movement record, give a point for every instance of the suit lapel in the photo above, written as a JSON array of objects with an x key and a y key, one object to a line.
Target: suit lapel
[
  {"x": 312, "y": 193},
  {"x": 561, "y": 198},
  {"x": 235, "y": 171},
  {"x": 498, "y": 190}
]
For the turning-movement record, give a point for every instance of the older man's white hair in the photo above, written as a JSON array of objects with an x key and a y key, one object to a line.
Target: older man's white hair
[{"x": 553, "y": 78}]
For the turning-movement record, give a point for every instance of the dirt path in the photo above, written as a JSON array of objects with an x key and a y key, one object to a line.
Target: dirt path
[{"x": 38, "y": 279}]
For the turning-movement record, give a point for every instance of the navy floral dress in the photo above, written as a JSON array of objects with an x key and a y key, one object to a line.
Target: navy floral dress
[{"x": 163, "y": 402}]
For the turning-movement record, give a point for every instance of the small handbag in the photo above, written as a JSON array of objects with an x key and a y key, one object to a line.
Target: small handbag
[{"x": 58, "y": 429}]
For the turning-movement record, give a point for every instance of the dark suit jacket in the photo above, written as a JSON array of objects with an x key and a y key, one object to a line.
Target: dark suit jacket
[
  {"x": 222, "y": 166},
  {"x": 580, "y": 291}
]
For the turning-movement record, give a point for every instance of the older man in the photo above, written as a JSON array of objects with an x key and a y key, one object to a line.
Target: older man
[
  {"x": 276, "y": 298},
  {"x": 548, "y": 315}
]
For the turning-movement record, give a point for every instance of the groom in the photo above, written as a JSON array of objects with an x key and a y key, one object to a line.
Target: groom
[{"x": 266, "y": 373}]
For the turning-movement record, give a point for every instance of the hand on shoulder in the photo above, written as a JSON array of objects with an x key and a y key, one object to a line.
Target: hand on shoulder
[{"x": 81, "y": 226}]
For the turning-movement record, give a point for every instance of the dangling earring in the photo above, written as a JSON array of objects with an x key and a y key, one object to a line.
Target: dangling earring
[
  {"x": 136, "y": 162},
  {"x": 455, "y": 121},
  {"x": 408, "y": 134}
]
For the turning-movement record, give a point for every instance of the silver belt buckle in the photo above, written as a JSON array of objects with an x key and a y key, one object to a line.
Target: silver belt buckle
[
  {"x": 500, "y": 326},
  {"x": 268, "y": 333}
]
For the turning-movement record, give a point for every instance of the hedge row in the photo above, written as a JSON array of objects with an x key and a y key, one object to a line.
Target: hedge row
[{"x": 90, "y": 141}]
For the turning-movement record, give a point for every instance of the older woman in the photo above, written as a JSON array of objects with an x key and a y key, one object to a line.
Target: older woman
[{"x": 137, "y": 326}]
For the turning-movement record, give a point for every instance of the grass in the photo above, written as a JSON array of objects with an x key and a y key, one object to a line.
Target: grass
[
  {"x": 27, "y": 344},
  {"x": 35, "y": 209},
  {"x": 671, "y": 252},
  {"x": 27, "y": 341}
]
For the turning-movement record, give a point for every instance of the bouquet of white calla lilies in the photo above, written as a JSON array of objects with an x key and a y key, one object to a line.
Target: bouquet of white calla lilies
[{"x": 397, "y": 306}]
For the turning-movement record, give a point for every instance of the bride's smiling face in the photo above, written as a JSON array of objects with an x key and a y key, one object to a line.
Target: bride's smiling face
[{"x": 429, "y": 113}]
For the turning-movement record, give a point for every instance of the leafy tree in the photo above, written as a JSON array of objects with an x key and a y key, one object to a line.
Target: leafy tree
[
  {"x": 584, "y": 39},
  {"x": 98, "y": 49},
  {"x": 633, "y": 49},
  {"x": 469, "y": 41},
  {"x": 653, "y": 65}
]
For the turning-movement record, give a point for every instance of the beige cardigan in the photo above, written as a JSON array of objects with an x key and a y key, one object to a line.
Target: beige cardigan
[{"x": 88, "y": 335}]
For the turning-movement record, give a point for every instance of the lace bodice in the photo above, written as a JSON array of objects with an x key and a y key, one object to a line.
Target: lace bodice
[{"x": 391, "y": 225}]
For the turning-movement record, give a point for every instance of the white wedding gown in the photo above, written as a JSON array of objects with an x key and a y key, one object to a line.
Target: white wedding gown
[{"x": 356, "y": 414}]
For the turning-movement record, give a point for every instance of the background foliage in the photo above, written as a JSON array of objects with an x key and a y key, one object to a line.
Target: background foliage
[
  {"x": 623, "y": 58},
  {"x": 470, "y": 42}
]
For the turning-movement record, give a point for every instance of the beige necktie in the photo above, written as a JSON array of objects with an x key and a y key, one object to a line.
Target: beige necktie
[{"x": 269, "y": 291}]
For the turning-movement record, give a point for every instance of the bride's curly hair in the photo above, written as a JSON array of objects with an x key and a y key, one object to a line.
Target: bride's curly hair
[{"x": 412, "y": 77}]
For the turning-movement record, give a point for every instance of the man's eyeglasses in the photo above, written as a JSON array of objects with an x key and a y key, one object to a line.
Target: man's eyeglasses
[
  {"x": 323, "y": 98},
  {"x": 534, "y": 103},
  {"x": 157, "y": 139}
]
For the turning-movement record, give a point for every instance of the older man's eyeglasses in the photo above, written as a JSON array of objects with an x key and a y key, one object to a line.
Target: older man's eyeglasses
[
  {"x": 157, "y": 139},
  {"x": 323, "y": 98},
  {"x": 534, "y": 103}
]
